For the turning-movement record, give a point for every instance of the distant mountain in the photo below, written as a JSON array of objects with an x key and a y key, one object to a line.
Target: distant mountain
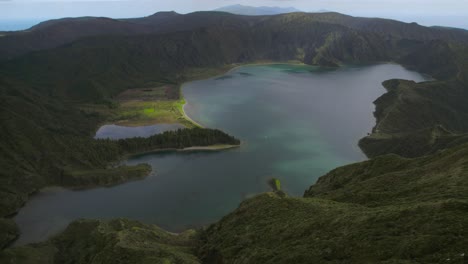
[
  {"x": 54, "y": 33},
  {"x": 257, "y": 11},
  {"x": 62, "y": 75}
]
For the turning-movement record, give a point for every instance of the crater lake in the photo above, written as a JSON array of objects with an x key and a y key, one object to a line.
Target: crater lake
[{"x": 295, "y": 122}]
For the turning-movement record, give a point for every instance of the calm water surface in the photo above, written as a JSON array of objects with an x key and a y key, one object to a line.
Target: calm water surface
[
  {"x": 296, "y": 123},
  {"x": 119, "y": 132}
]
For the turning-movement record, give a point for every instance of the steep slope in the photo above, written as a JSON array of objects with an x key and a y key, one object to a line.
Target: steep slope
[
  {"x": 46, "y": 138},
  {"x": 384, "y": 27},
  {"x": 47, "y": 141},
  {"x": 164, "y": 22},
  {"x": 386, "y": 210},
  {"x": 98, "y": 68},
  {"x": 414, "y": 119},
  {"x": 116, "y": 241},
  {"x": 54, "y": 33}
]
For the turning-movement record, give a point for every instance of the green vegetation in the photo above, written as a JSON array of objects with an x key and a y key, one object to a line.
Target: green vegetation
[
  {"x": 104, "y": 177},
  {"x": 275, "y": 184},
  {"x": 47, "y": 126},
  {"x": 389, "y": 209},
  {"x": 272, "y": 229},
  {"x": 416, "y": 119},
  {"x": 50, "y": 34},
  {"x": 386, "y": 210},
  {"x": 8, "y": 231},
  {"x": 138, "y": 113},
  {"x": 179, "y": 139},
  {"x": 147, "y": 106},
  {"x": 116, "y": 241}
]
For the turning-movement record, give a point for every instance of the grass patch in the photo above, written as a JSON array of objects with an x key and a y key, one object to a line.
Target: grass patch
[
  {"x": 275, "y": 184},
  {"x": 136, "y": 113},
  {"x": 160, "y": 104},
  {"x": 144, "y": 106}
]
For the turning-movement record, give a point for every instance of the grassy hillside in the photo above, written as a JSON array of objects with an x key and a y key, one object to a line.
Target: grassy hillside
[
  {"x": 116, "y": 241},
  {"x": 46, "y": 141},
  {"x": 46, "y": 135},
  {"x": 55, "y": 33},
  {"x": 100, "y": 67},
  {"x": 97, "y": 69},
  {"x": 418, "y": 118},
  {"x": 386, "y": 210},
  {"x": 386, "y": 27}
]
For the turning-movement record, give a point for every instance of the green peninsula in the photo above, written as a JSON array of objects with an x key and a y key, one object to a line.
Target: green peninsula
[{"x": 408, "y": 204}]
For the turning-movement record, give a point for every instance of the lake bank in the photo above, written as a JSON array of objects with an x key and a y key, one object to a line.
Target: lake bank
[
  {"x": 116, "y": 132},
  {"x": 148, "y": 106},
  {"x": 299, "y": 123},
  {"x": 212, "y": 148}
]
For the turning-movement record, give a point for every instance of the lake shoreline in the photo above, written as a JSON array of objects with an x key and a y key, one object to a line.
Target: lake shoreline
[
  {"x": 184, "y": 118},
  {"x": 184, "y": 114},
  {"x": 211, "y": 148},
  {"x": 181, "y": 106},
  {"x": 230, "y": 68}
]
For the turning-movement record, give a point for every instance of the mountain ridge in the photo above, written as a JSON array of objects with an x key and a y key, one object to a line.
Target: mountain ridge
[
  {"x": 51, "y": 34},
  {"x": 41, "y": 92},
  {"x": 256, "y": 11}
]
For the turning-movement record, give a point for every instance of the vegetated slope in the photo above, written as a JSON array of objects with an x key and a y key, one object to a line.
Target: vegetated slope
[
  {"x": 414, "y": 119},
  {"x": 54, "y": 33},
  {"x": 46, "y": 139},
  {"x": 38, "y": 134},
  {"x": 386, "y": 210},
  {"x": 98, "y": 68},
  {"x": 385, "y": 27},
  {"x": 116, "y": 241}
]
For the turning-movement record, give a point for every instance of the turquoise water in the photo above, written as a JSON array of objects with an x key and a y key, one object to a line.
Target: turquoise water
[{"x": 296, "y": 123}]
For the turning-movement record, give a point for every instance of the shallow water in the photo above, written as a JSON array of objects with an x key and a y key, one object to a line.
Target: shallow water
[
  {"x": 296, "y": 123},
  {"x": 119, "y": 132}
]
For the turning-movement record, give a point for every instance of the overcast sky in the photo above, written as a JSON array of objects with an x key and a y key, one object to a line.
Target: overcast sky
[{"x": 426, "y": 12}]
